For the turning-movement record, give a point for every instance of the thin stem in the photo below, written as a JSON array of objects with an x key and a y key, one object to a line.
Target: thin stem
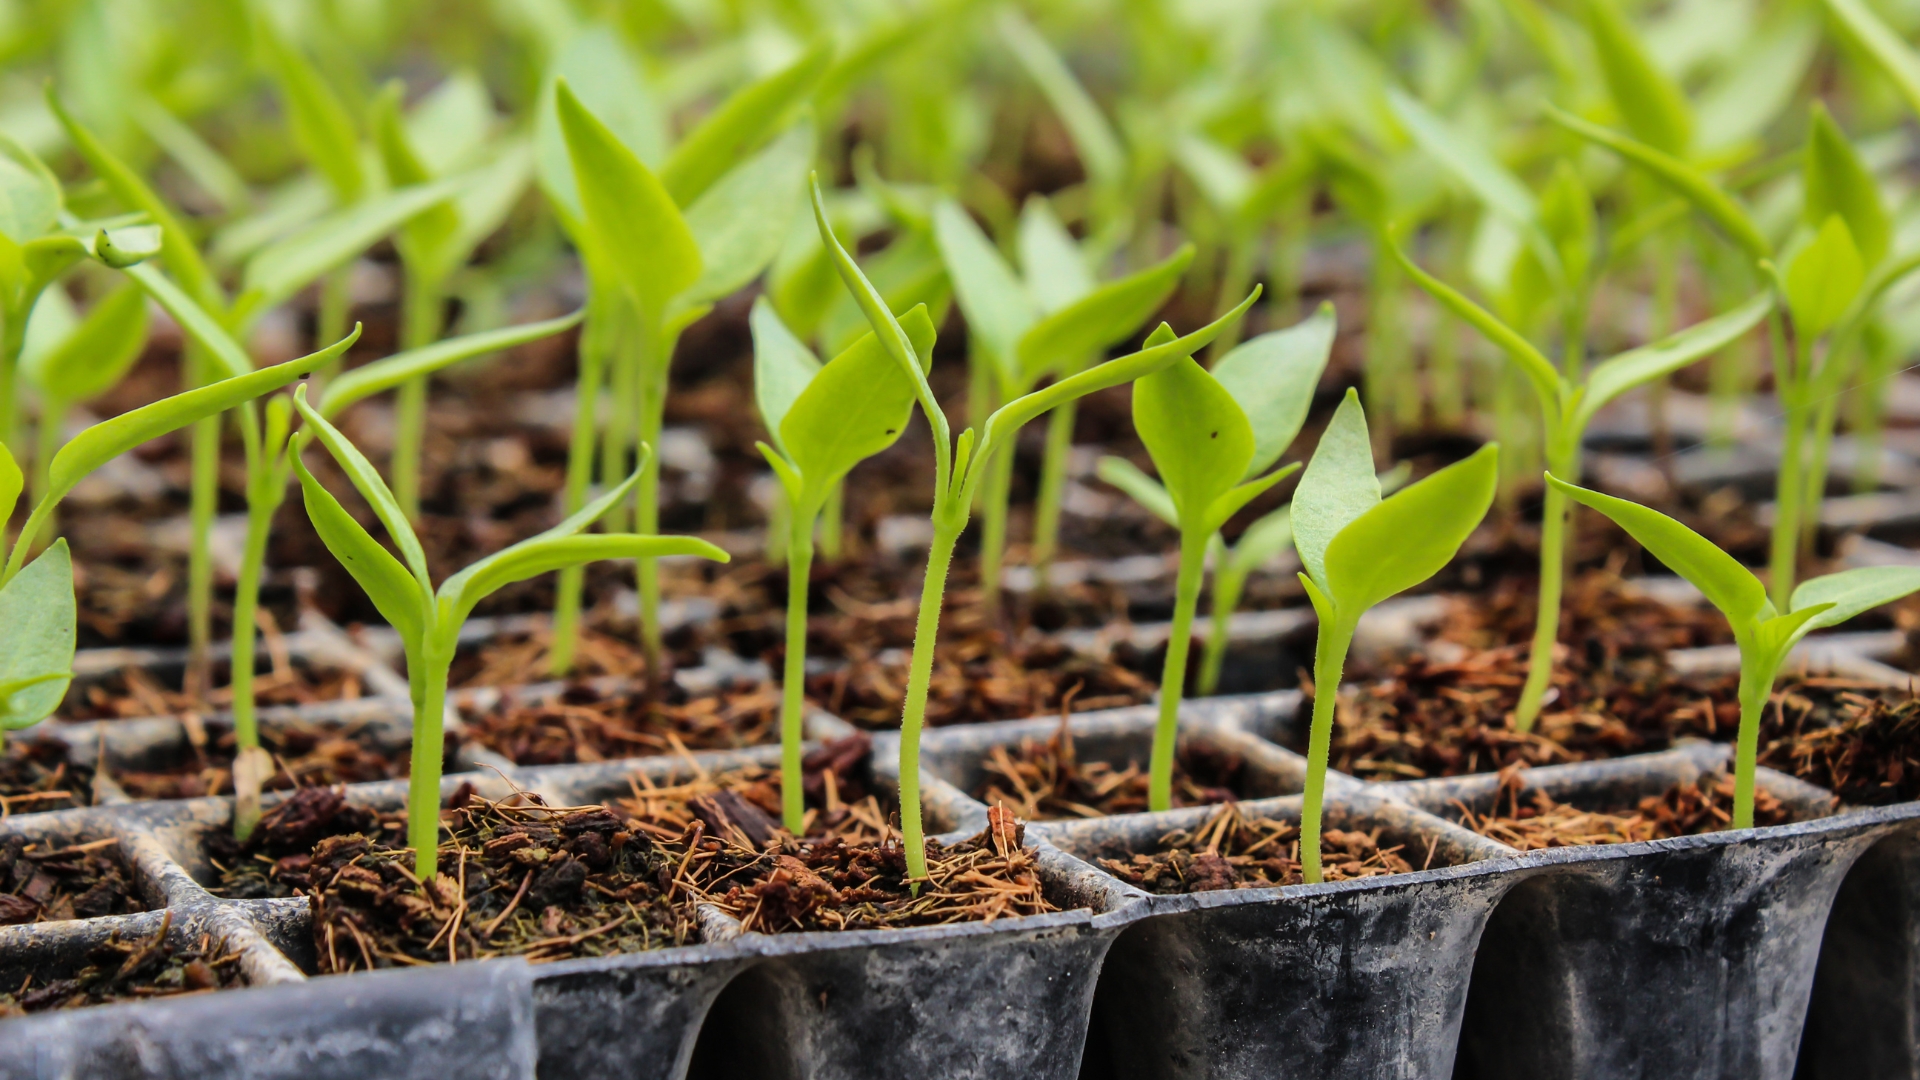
[
  {"x": 793, "y": 686},
  {"x": 1235, "y": 279},
  {"x": 246, "y": 602},
  {"x": 1228, "y": 583},
  {"x": 993, "y": 530},
  {"x": 53, "y": 417},
  {"x": 1053, "y": 487},
  {"x": 833, "y": 523},
  {"x": 1329, "y": 660},
  {"x": 422, "y": 328},
  {"x": 1787, "y": 500},
  {"x": 423, "y": 783},
  {"x": 203, "y": 503},
  {"x": 13, "y": 337},
  {"x": 1546, "y": 620},
  {"x": 1173, "y": 675},
  {"x": 980, "y": 396},
  {"x": 593, "y": 350},
  {"x": 1756, "y": 686},
  {"x": 913, "y": 713},
  {"x": 652, "y": 413}
]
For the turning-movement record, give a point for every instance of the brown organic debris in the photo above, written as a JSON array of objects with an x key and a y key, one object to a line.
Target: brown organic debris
[
  {"x": 35, "y": 776},
  {"x": 1047, "y": 781},
  {"x": 587, "y": 724},
  {"x": 43, "y": 881},
  {"x": 1531, "y": 819},
  {"x": 275, "y": 860},
  {"x": 1232, "y": 851},
  {"x": 1857, "y": 740},
  {"x": 119, "y": 970}
]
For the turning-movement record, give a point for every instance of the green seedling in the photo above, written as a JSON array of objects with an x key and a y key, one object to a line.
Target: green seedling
[
  {"x": 1048, "y": 321},
  {"x": 659, "y": 247},
  {"x": 1765, "y": 634},
  {"x": 823, "y": 421},
  {"x": 428, "y": 620},
  {"x": 1244, "y": 207},
  {"x": 1359, "y": 549},
  {"x": 1211, "y": 436},
  {"x": 68, "y": 360},
  {"x": 959, "y": 467}
]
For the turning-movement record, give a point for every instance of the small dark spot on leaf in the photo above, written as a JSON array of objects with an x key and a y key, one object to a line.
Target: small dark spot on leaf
[
  {"x": 891, "y": 430},
  {"x": 1214, "y": 435}
]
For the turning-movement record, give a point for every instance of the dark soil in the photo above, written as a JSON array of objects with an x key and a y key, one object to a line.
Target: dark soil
[
  {"x": 1859, "y": 741},
  {"x": 1232, "y": 851},
  {"x": 1531, "y": 819},
  {"x": 1046, "y": 781},
  {"x": 35, "y": 776},
  {"x": 135, "y": 692},
  {"x": 275, "y": 860},
  {"x": 1600, "y": 612},
  {"x": 118, "y": 970},
  {"x": 587, "y": 724},
  {"x": 304, "y": 754},
  {"x": 48, "y": 883}
]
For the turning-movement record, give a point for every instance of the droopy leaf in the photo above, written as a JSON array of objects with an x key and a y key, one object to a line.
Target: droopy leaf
[
  {"x": 747, "y": 119},
  {"x": 366, "y": 480},
  {"x": 1836, "y": 181},
  {"x": 1720, "y": 578},
  {"x": 1338, "y": 486},
  {"x": 1653, "y": 107},
  {"x": 389, "y": 372},
  {"x": 1485, "y": 176},
  {"x": 1197, "y": 435},
  {"x": 531, "y": 558},
  {"x": 1823, "y": 279},
  {"x": 1272, "y": 377},
  {"x": 996, "y": 304},
  {"x": 782, "y": 367},
  {"x": 1854, "y": 592},
  {"x": 1053, "y": 265},
  {"x": 630, "y": 215},
  {"x": 1896, "y": 59},
  {"x": 38, "y": 620},
  {"x": 1110, "y": 314},
  {"x": 1409, "y": 536},
  {"x": 1649, "y": 362},
  {"x": 855, "y": 407},
  {"x": 1140, "y": 487},
  {"x": 201, "y": 326},
  {"x": 98, "y": 353},
  {"x": 398, "y": 595},
  {"x": 1537, "y": 368},
  {"x": 741, "y": 221}
]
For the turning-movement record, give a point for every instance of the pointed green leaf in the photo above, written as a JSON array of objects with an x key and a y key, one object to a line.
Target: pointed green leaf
[
  {"x": 448, "y": 129},
  {"x": 996, "y": 304},
  {"x": 1653, "y": 107},
  {"x": 782, "y": 367},
  {"x": 1140, "y": 487},
  {"x": 608, "y": 81},
  {"x": 322, "y": 127},
  {"x": 1752, "y": 93},
  {"x": 1566, "y": 216},
  {"x": 629, "y": 214},
  {"x": 424, "y": 235},
  {"x": 1102, "y": 319},
  {"x": 1051, "y": 263},
  {"x": 29, "y": 194},
  {"x": 1486, "y": 177},
  {"x": 11, "y": 481},
  {"x": 1895, "y": 58},
  {"x": 1836, "y": 181},
  {"x": 1661, "y": 358},
  {"x": 531, "y": 558},
  {"x": 1537, "y": 368},
  {"x": 366, "y": 479},
  {"x": 229, "y": 358},
  {"x": 121, "y": 248},
  {"x": 1729, "y": 586},
  {"x": 1197, "y": 435},
  {"x": 1222, "y": 176},
  {"x": 1262, "y": 540},
  {"x": 1406, "y": 538},
  {"x": 1237, "y": 497},
  {"x": 1100, "y": 151},
  {"x": 1273, "y": 377},
  {"x": 734, "y": 130},
  {"x": 38, "y": 622},
  {"x": 1824, "y": 278},
  {"x": 1854, "y": 592},
  {"x": 741, "y": 221},
  {"x": 98, "y": 353},
  {"x": 1776, "y": 636},
  {"x": 856, "y": 406},
  {"x": 390, "y": 372},
  {"x": 1338, "y": 486},
  {"x": 400, "y": 598},
  {"x": 879, "y": 316}
]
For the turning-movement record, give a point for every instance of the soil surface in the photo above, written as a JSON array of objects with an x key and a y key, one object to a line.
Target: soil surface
[
  {"x": 588, "y": 724},
  {"x": 1232, "y": 851},
  {"x": 1857, "y": 740},
  {"x": 304, "y": 754},
  {"x": 49, "y": 882},
  {"x": 1529, "y": 819},
  {"x": 139, "y": 970},
  {"x": 275, "y": 860},
  {"x": 1046, "y": 780},
  {"x": 135, "y": 692},
  {"x": 35, "y": 776}
]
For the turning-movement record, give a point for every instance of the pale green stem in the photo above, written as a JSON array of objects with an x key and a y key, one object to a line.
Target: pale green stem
[
  {"x": 1546, "y": 622},
  {"x": 1814, "y": 488},
  {"x": 1173, "y": 675},
  {"x": 423, "y": 782},
  {"x": 980, "y": 398},
  {"x": 1329, "y": 660},
  {"x": 913, "y": 713},
  {"x": 1756, "y": 687},
  {"x": 793, "y": 687},
  {"x": 246, "y": 603},
  {"x": 573, "y": 579},
  {"x": 422, "y": 328},
  {"x": 331, "y": 322},
  {"x": 1235, "y": 279},
  {"x": 1868, "y": 416},
  {"x": 1787, "y": 501},
  {"x": 13, "y": 337},
  {"x": 617, "y": 445},
  {"x": 203, "y": 503},
  {"x": 993, "y": 529},
  {"x": 833, "y": 523},
  {"x": 646, "y": 521},
  {"x": 1053, "y": 488},
  {"x": 779, "y": 527},
  {"x": 53, "y": 416},
  {"x": 1228, "y": 583}
]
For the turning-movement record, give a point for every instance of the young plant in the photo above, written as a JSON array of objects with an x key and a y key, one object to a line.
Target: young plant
[
  {"x": 823, "y": 420},
  {"x": 1765, "y": 633},
  {"x": 69, "y": 360},
  {"x": 1359, "y": 549},
  {"x": 959, "y": 467},
  {"x": 1211, "y": 435},
  {"x": 428, "y": 620},
  {"x": 1052, "y": 320}
]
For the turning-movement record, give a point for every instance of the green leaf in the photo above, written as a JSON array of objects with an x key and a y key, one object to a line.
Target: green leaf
[
  {"x": 740, "y": 222},
  {"x": 365, "y": 479},
  {"x": 536, "y": 556},
  {"x": 1824, "y": 278},
  {"x": 400, "y": 597},
  {"x": 1854, "y": 592},
  {"x": 1406, "y": 538},
  {"x": 1686, "y": 181},
  {"x": 1537, "y": 368},
  {"x": 1052, "y": 264},
  {"x": 1729, "y": 586},
  {"x": 426, "y": 233},
  {"x": 322, "y": 126},
  {"x": 630, "y": 215},
  {"x": 855, "y": 407},
  {"x": 608, "y": 81},
  {"x": 11, "y": 481},
  {"x": 1100, "y": 151},
  {"x": 1197, "y": 435},
  {"x": 1897, "y": 61},
  {"x": 94, "y": 358},
  {"x": 782, "y": 367},
  {"x": 1273, "y": 377},
  {"x": 879, "y": 316},
  {"x": 121, "y": 248},
  {"x": 1751, "y": 94},
  {"x": 1140, "y": 487},
  {"x": 1262, "y": 540},
  {"x": 201, "y": 326},
  {"x": 448, "y": 129},
  {"x": 1653, "y": 107},
  {"x": 38, "y": 621},
  {"x": 1102, "y": 319},
  {"x": 389, "y": 372},
  {"x": 1338, "y": 486},
  {"x": 29, "y": 194},
  {"x": 1836, "y": 181},
  {"x": 1222, "y": 176},
  {"x": 991, "y": 296},
  {"x": 1490, "y": 182},
  {"x": 1566, "y": 216},
  {"x": 1635, "y": 367},
  {"x": 1237, "y": 497},
  {"x": 1776, "y": 636},
  {"x": 747, "y": 119}
]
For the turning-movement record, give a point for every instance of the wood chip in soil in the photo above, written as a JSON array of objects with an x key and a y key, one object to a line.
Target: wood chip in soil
[
  {"x": 48, "y": 881},
  {"x": 1232, "y": 851},
  {"x": 1529, "y": 819},
  {"x": 586, "y": 724},
  {"x": 119, "y": 969},
  {"x": 1857, "y": 740},
  {"x": 274, "y": 861},
  {"x": 35, "y": 776}
]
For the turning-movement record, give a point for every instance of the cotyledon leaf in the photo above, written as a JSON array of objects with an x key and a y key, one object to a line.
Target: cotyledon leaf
[
  {"x": 1338, "y": 486},
  {"x": 782, "y": 367},
  {"x": 1407, "y": 537},
  {"x": 1720, "y": 578},
  {"x": 389, "y": 372},
  {"x": 1273, "y": 378},
  {"x": 1197, "y": 435},
  {"x": 38, "y": 624}
]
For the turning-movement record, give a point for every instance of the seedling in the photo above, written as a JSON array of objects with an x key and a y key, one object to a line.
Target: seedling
[
  {"x": 1764, "y": 633},
  {"x": 1211, "y": 435},
  {"x": 959, "y": 467},
  {"x": 823, "y": 421},
  {"x": 1051, "y": 321},
  {"x": 69, "y": 360},
  {"x": 1359, "y": 549},
  {"x": 428, "y": 620}
]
